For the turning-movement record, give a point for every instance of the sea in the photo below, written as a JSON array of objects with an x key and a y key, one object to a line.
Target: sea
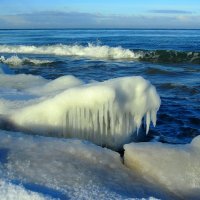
[{"x": 169, "y": 59}]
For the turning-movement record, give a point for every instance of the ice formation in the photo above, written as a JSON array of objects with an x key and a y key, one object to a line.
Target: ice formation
[
  {"x": 69, "y": 169},
  {"x": 16, "y": 61},
  {"x": 107, "y": 113},
  {"x": 177, "y": 167},
  {"x": 94, "y": 51}
]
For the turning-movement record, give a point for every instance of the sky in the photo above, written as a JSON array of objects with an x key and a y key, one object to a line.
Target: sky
[{"x": 99, "y": 14}]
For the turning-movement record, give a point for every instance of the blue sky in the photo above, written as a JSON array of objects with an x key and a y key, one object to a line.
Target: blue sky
[{"x": 100, "y": 14}]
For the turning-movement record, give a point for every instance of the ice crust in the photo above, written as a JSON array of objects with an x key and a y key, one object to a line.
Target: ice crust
[
  {"x": 9, "y": 191},
  {"x": 106, "y": 113},
  {"x": 176, "y": 167},
  {"x": 69, "y": 169}
]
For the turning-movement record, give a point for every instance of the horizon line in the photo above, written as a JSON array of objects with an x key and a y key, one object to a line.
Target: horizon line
[{"x": 89, "y": 28}]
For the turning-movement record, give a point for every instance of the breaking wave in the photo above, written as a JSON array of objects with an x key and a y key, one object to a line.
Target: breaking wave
[
  {"x": 99, "y": 52},
  {"x": 93, "y": 51},
  {"x": 16, "y": 61}
]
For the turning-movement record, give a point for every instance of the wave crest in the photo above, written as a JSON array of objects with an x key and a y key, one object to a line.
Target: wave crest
[
  {"x": 101, "y": 52},
  {"x": 93, "y": 51},
  {"x": 16, "y": 61}
]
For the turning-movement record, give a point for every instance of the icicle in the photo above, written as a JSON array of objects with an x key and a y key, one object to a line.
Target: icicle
[
  {"x": 137, "y": 121},
  {"x": 148, "y": 120},
  {"x": 153, "y": 117}
]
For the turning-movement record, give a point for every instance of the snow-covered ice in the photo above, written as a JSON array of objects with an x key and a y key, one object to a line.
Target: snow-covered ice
[
  {"x": 106, "y": 113},
  {"x": 9, "y": 191},
  {"x": 176, "y": 167},
  {"x": 69, "y": 169}
]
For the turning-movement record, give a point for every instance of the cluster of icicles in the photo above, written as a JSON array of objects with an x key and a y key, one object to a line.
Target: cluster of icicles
[{"x": 106, "y": 113}]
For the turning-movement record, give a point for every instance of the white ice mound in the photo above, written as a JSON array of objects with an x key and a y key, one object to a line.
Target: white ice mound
[
  {"x": 107, "y": 113},
  {"x": 176, "y": 167},
  {"x": 93, "y": 51}
]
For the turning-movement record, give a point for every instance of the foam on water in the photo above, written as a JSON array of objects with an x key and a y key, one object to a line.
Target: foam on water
[
  {"x": 107, "y": 113},
  {"x": 17, "y": 61},
  {"x": 94, "y": 51},
  {"x": 176, "y": 167}
]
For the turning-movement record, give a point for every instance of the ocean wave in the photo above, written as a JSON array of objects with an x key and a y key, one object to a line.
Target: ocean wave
[
  {"x": 156, "y": 71},
  {"x": 93, "y": 51},
  {"x": 180, "y": 87},
  {"x": 102, "y": 52},
  {"x": 169, "y": 56},
  {"x": 17, "y": 61}
]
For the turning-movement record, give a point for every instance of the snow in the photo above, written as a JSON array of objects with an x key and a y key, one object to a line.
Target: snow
[
  {"x": 20, "y": 81},
  {"x": 10, "y": 191},
  {"x": 56, "y": 86},
  {"x": 176, "y": 167},
  {"x": 106, "y": 113},
  {"x": 69, "y": 169}
]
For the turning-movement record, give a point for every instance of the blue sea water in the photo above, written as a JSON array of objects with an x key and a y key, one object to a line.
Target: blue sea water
[{"x": 170, "y": 60}]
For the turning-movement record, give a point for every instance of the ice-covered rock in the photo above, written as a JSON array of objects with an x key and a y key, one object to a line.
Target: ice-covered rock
[
  {"x": 107, "y": 113},
  {"x": 176, "y": 167}
]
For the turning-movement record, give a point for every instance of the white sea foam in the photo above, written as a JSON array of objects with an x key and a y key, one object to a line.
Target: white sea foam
[
  {"x": 177, "y": 167},
  {"x": 17, "y": 61},
  {"x": 70, "y": 169},
  {"x": 107, "y": 113},
  {"x": 93, "y": 51}
]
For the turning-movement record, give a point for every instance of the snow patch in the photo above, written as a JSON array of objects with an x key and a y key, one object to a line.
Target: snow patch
[{"x": 10, "y": 191}]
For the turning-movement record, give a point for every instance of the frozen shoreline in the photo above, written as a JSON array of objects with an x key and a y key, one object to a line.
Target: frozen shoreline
[{"x": 71, "y": 168}]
